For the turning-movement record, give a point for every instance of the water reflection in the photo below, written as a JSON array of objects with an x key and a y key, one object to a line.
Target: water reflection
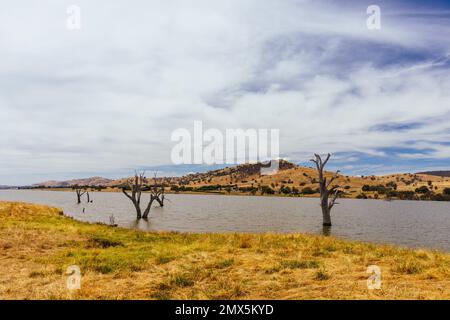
[
  {"x": 326, "y": 230},
  {"x": 141, "y": 224}
]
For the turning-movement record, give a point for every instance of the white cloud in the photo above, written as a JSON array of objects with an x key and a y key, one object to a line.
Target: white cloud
[{"x": 108, "y": 96}]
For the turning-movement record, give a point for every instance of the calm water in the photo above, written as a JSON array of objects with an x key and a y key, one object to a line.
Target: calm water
[{"x": 406, "y": 223}]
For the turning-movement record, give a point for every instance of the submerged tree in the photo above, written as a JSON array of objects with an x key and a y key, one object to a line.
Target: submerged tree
[
  {"x": 156, "y": 194},
  {"x": 80, "y": 192},
  {"x": 157, "y": 191},
  {"x": 136, "y": 185},
  {"x": 326, "y": 189}
]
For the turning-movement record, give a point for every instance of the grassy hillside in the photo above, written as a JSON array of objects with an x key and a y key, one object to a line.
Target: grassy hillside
[
  {"x": 38, "y": 244},
  {"x": 293, "y": 180}
]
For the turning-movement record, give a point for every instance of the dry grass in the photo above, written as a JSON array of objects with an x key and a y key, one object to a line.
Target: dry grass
[{"x": 37, "y": 244}]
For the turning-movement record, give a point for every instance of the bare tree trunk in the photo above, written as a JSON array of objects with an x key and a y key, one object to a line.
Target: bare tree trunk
[
  {"x": 138, "y": 210},
  {"x": 136, "y": 191},
  {"x": 325, "y": 211},
  {"x": 325, "y": 189},
  {"x": 136, "y": 203},
  {"x": 88, "y": 197},
  {"x": 157, "y": 191},
  {"x": 149, "y": 206},
  {"x": 160, "y": 200},
  {"x": 79, "y": 193}
]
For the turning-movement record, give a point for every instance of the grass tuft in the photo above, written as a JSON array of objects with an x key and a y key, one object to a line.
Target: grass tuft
[
  {"x": 223, "y": 264},
  {"x": 100, "y": 242},
  {"x": 181, "y": 280},
  {"x": 296, "y": 264},
  {"x": 321, "y": 275},
  {"x": 408, "y": 267}
]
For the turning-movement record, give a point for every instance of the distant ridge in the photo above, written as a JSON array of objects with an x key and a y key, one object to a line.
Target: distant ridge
[
  {"x": 443, "y": 173},
  {"x": 2, "y": 187},
  {"x": 93, "y": 181}
]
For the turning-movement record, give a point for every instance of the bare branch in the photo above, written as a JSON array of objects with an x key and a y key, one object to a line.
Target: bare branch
[
  {"x": 326, "y": 160},
  {"x": 333, "y": 200},
  {"x": 126, "y": 193},
  {"x": 335, "y": 176}
]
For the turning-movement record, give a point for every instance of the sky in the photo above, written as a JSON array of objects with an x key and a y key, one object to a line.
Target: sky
[{"x": 105, "y": 99}]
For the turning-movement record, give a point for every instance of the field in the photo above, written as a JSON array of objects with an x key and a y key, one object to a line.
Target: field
[{"x": 38, "y": 243}]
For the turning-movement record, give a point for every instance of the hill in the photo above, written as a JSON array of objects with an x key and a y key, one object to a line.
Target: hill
[
  {"x": 93, "y": 181},
  {"x": 290, "y": 180},
  {"x": 444, "y": 173},
  {"x": 294, "y": 180}
]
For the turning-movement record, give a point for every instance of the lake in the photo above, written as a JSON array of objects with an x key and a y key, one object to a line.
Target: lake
[{"x": 405, "y": 223}]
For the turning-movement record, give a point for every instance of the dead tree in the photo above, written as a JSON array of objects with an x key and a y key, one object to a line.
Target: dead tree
[
  {"x": 137, "y": 185},
  {"x": 156, "y": 194},
  {"x": 157, "y": 191},
  {"x": 326, "y": 189},
  {"x": 80, "y": 192}
]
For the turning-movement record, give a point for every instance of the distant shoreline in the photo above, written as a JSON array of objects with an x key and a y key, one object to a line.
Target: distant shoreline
[{"x": 242, "y": 194}]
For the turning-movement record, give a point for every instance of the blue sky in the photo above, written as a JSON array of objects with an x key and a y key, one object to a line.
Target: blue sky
[{"x": 104, "y": 100}]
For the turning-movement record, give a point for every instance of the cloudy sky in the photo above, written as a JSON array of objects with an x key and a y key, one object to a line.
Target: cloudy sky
[{"x": 104, "y": 100}]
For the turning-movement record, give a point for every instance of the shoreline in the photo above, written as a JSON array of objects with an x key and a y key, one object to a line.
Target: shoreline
[{"x": 243, "y": 194}]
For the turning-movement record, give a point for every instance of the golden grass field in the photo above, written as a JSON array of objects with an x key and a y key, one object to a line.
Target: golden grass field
[{"x": 37, "y": 244}]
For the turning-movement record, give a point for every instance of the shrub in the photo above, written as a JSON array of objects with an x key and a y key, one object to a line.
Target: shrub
[
  {"x": 379, "y": 188},
  {"x": 309, "y": 190},
  {"x": 422, "y": 189},
  {"x": 392, "y": 185},
  {"x": 99, "y": 242},
  {"x": 285, "y": 190},
  {"x": 402, "y": 195},
  {"x": 248, "y": 189},
  {"x": 440, "y": 197},
  {"x": 267, "y": 189},
  {"x": 321, "y": 275},
  {"x": 209, "y": 188}
]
